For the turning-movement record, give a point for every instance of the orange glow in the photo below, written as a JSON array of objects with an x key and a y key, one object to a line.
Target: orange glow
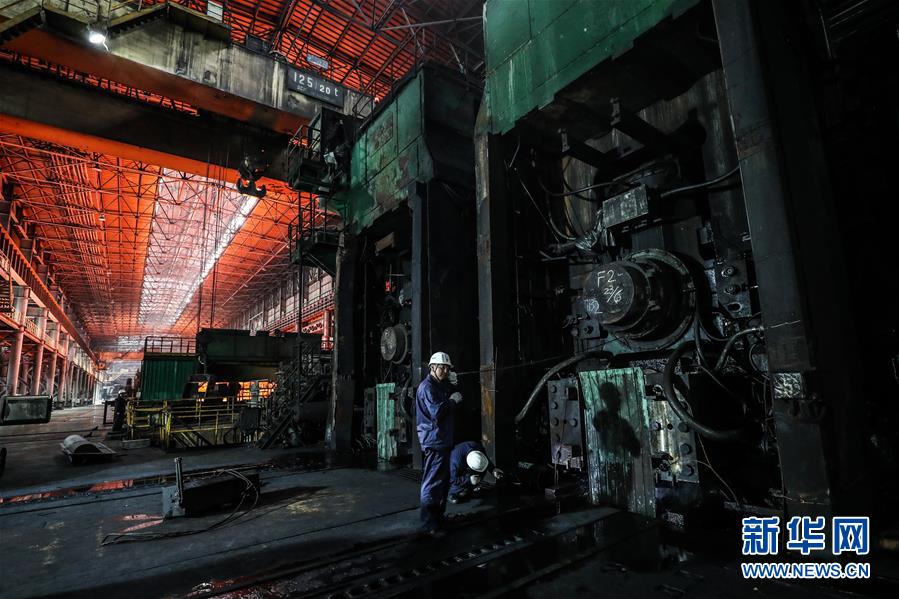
[
  {"x": 89, "y": 203},
  {"x": 111, "y": 485}
]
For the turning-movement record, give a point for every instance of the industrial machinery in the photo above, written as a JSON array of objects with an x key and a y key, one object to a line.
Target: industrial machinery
[
  {"x": 23, "y": 409},
  {"x": 405, "y": 266},
  {"x": 228, "y": 386},
  {"x": 656, "y": 251},
  {"x": 203, "y": 495},
  {"x": 664, "y": 313}
]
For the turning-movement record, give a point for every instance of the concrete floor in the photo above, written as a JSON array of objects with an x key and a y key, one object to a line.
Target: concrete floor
[
  {"x": 57, "y": 546},
  {"x": 317, "y": 523},
  {"x": 35, "y": 464},
  {"x": 55, "y": 516}
]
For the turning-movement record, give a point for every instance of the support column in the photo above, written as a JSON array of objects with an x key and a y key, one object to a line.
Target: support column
[
  {"x": 20, "y": 304},
  {"x": 64, "y": 372},
  {"x": 54, "y": 358},
  {"x": 813, "y": 356},
  {"x": 500, "y": 393},
  {"x": 15, "y": 363},
  {"x": 37, "y": 371},
  {"x": 70, "y": 375},
  {"x": 339, "y": 433},
  {"x": 76, "y": 381}
]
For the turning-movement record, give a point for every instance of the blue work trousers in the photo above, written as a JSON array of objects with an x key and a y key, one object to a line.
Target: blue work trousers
[{"x": 435, "y": 485}]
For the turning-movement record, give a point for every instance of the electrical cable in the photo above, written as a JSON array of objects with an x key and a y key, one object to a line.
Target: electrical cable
[
  {"x": 512, "y": 367},
  {"x": 552, "y": 227},
  {"x": 752, "y": 364},
  {"x": 702, "y": 185},
  {"x": 698, "y": 338},
  {"x": 679, "y": 409},
  {"x": 708, "y": 464},
  {"x": 595, "y": 352},
  {"x": 733, "y": 496},
  {"x": 125, "y": 537},
  {"x": 401, "y": 401},
  {"x": 514, "y": 154},
  {"x": 575, "y": 192},
  {"x": 722, "y": 359},
  {"x": 549, "y": 223},
  {"x": 718, "y": 382},
  {"x": 567, "y": 187}
]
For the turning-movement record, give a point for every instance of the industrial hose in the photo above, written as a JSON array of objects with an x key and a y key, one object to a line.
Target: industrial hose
[
  {"x": 401, "y": 400},
  {"x": 730, "y": 343},
  {"x": 563, "y": 364},
  {"x": 674, "y": 402}
]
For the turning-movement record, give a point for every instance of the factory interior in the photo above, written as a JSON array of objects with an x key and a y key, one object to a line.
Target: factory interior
[{"x": 448, "y": 298}]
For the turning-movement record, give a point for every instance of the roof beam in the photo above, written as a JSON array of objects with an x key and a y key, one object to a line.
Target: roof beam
[{"x": 42, "y": 107}]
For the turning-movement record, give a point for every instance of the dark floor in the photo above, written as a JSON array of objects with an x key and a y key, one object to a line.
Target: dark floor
[
  {"x": 59, "y": 545},
  {"x": 36, "y": 464},
  {"x": 325, "y": 529},
  {"x": 55, "y": 516}
]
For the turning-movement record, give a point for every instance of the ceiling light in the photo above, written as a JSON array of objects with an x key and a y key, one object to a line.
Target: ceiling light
[{"x": 96, "y": 36}]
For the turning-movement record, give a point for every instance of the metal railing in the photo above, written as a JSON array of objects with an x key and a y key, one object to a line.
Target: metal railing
[
  {"x": 87, "y": 10},
  {"x": 310, "y": 309},
  {"x": 306, "y": 143},
  {"x": 170, "y": 345},
  {"x": 144, "y": 420},
  {"x": 97, "y": 11},
  {"x": 30, "y": 326},
  {"x": 205, "y": 422}
]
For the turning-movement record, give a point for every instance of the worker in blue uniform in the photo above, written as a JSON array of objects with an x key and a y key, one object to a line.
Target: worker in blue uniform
[
  {"x": 434, "y": 402},
  {"x": 468, "y": 465}
]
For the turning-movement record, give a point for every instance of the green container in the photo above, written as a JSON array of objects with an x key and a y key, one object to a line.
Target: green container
[{"x": 163, "y": 377}]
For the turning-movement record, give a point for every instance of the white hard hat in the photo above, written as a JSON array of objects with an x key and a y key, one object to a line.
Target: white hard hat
[
  {"x": 476, "y": 460},
  {"x": 440, "y": 358}
]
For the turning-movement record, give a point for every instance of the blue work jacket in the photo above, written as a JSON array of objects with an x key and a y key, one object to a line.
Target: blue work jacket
[
  {"x": 460, "y": 473},
  {"x": 434, "y": 414}
]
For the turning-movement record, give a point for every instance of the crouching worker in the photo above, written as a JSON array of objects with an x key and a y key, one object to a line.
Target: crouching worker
[{"x": 468, "y": 465}]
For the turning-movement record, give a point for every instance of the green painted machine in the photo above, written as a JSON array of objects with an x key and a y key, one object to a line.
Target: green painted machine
[
  {"x": 536, "y": 48},
  {"x": 406, "y": 265},
  {"x": 586, "y": 106}
]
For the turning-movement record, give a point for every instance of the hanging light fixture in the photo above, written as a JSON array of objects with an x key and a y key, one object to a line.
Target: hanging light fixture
[{"x": 96, "y": 34}]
